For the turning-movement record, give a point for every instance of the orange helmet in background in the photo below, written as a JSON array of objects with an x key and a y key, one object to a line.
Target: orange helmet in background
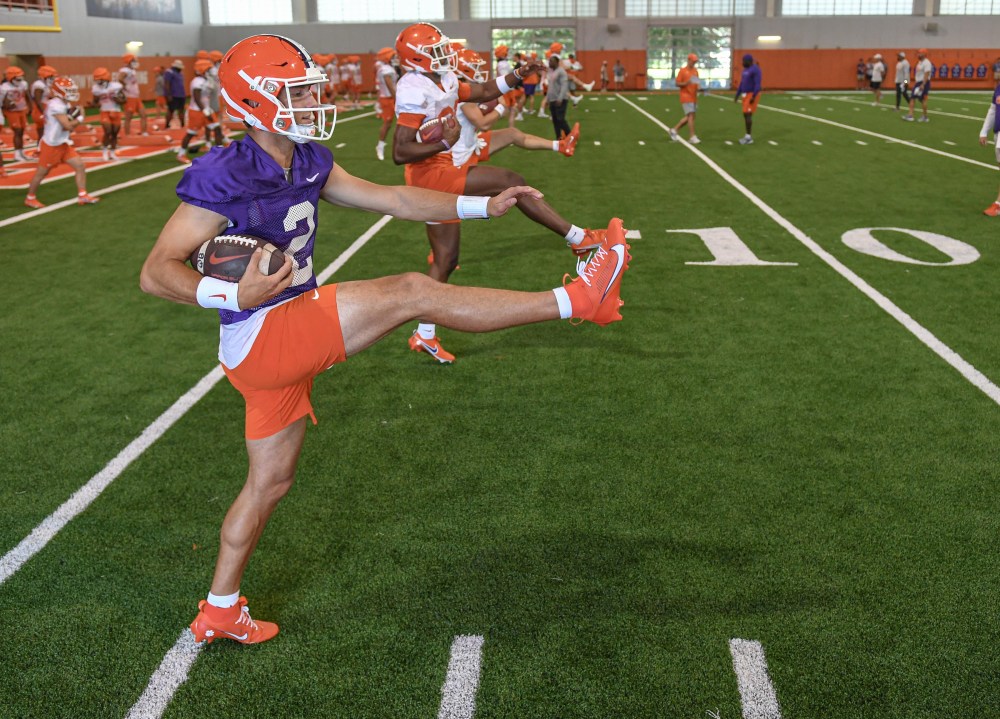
[
  {"x": 500, "y": 52},
  {"x": 424, "y": 47},
  {"x": 65, "y": 89},
  {"x": 202, "y": 66},
  {"x": 472, "y": 66},
  {"x": 128, "y": 58},
  {"x": 202, "y": 55},
  {"x": 11, "y": 72},
  {"x": 385, "y": 54},
  {"x": 215, "y": 56},
  {"x": 102, "y": 73},
  {"x": 46, "y": 71}
]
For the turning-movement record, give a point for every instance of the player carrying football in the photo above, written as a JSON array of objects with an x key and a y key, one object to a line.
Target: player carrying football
[
  {"x": 429, "y": 91},
  {"x": 281, "y": 330}
]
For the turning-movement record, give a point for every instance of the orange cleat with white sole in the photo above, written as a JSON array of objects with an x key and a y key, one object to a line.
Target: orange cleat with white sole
[
  {"x": 87, "y": 200},
  {"x": 231, "y": 623},
  {"x": 592, "y": 239},
  {"x": 567, "y": 145},
  {"x": 432, "y": 347},
  {"x": 993, "y": 210},
  {"x": 33, "y": 203},
  {"x": 595, "y": 293}
]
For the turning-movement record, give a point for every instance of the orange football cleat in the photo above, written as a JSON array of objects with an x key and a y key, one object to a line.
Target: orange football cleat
[
  {"x": 567, "y": 145},
  {"x": 33, "y": 203},
  {"x": 432, "y": 347},
  {"x": 993, "y": 210},
  {"x": 592, "y": 239},
  {"x": 231, "y": 623},
  {"x": 595, "y": 293},
  {"x": 87, "y": 200},
  {"x": 183, "y": 158}
]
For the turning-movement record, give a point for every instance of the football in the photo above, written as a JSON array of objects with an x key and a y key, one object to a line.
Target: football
[
  {"x": 226, "y": 257},
  {"x": 119, "y": 97},
  {"x": 431, "y": 131},
  {"x": 489, "y": 106}
]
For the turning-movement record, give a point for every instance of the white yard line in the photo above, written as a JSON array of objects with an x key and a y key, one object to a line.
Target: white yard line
[
  {"x": 915, "y": 108},
  {"x": 458, "y": 695},
  {"x": 756, "y": 691},
  {"x": 81, "y": 499},
  {"x": 973, "y": 375},
  {"x": 887, "y": 138},
  {"x": 167, "y": 679}
]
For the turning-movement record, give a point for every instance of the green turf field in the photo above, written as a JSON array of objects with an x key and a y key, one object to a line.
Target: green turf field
[{"x": 756, "y": 452}]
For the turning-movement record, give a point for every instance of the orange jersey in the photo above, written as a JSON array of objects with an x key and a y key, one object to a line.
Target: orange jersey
[{"x": 689, "y": 93}]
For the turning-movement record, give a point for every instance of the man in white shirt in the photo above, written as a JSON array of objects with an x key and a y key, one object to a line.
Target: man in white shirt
[
  {"x": 921, "y": 85},
  {"x": 878, "y": 73},
  {"x": 992, "y": 124},
  {"x": 902, "y": 78}
]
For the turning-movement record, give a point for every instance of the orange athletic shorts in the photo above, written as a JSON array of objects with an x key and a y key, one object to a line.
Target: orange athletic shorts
[
  {"x": 16, "y": 119},
  {"x": 438, "y": 172},
  {"x": 39, "y": 120},
  {"x": 750, "y": 105},
  {"x": 386, "y": 108},
  {"x": 52, "y": 155},
  {"x": 484, "y": 153},
  {"x": 109, "y": 117},
  {"x": 299, "y": 340},
  {"x": 198, "y": 119},
  {"x": 161, "y": 101},
  {"x": 133, "y": 105}
]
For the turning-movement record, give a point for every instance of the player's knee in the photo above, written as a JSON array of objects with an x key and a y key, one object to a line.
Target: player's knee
[{"x": 514, "y": 179}]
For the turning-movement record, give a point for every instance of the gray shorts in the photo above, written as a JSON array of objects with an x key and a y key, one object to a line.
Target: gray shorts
[{"x": 689, "y": 107}]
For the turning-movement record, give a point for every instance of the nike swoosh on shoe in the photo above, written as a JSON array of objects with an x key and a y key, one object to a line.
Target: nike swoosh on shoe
[{"x": 619, "y": 251}]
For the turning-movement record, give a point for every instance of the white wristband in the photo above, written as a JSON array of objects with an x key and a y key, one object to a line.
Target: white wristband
[
  {"x": 500, "y": 109},
  {"x": 502, "y": 85},
  {"x": 472, "y": 207},
  {"x": 218, "y": 294}
]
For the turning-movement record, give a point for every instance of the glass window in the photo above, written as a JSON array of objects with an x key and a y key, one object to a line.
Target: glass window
[
  {"x": 535, "y": 39},
  {"x": 239, "y": 12},
  {"x": 383, "y": 11},
  {"x": 668, "y": 48},
  {"x": 486, "y": 9},
  {"x": 848, "y": 7},
  {"x": 970, "y": 7},
  {"x": 688, "y": 8}
]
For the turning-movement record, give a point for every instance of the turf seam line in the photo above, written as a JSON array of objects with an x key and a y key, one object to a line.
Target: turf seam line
[
  {"x": 458, "y": 695},
  {"x": 82, "y": 498},
  {"x": 756, "y": 690},
  {"x": 965, "y": 368},
  {"x": 878, "y": 135},
  {"x": 114, "y": 188},
  {"x": 168, "y": 677}
]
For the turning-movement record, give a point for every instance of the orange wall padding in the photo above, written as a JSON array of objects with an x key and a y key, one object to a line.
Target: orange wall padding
[{"x": 835, "y": 69}]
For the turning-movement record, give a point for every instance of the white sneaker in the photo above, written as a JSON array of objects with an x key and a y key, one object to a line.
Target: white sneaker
[
  {"x": 874, "y": 104},
  {"x": 673, "y": 135},
  {"x": 106, "y": 154},
  {"x": 112, "y": 156},
  {"x": 543, "y": 116},
  {"x": 908, "y": 118},
  {"x": 746, "y": 140},
  {"x": 694, "y": 140},
  {"x": 923, "y": 119},
  {"x": 589, "y": 86},
  {"x": 575, "y": 99},
  {"x": 380, "y": 152},
  {"x": 19, "y": 156}
]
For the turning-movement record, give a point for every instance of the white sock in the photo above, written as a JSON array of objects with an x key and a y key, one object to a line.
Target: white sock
[
  {"x": 555, "y": 145},
  {"x": 381, "y": 144},
  {"x": 426, "y": 331},
  {"x": 565, "y": 306},
  {"x": 575, "y": 235},
  {"x": 224, "y": 602}
]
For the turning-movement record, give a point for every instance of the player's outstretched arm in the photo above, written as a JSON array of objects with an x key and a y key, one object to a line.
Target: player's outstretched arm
[
  {"x": 409, "y": 203},
  {"x": 166, "y": 273}
]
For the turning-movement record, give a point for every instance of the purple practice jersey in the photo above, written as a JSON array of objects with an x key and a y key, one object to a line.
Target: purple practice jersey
[
  {"x": 750, "y": 81},
  {"x": 244, "y": 184}
]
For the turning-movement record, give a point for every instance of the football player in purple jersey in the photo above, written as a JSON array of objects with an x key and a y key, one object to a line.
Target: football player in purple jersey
[{"x": 281, "y": 330}]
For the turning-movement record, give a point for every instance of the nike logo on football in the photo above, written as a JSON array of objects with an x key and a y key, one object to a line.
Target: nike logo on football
[
  {"x": 619, "y": 250},
  {"x": 313, "y": 178},
  {"x": 217, "y": 260},
  {"x": 237, "y": 637}
]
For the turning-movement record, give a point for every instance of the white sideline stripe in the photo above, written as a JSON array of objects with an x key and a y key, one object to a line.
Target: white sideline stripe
[
  {"x": 121, "y": 185},
  {"x": 949, "y": 142},
  {"x": 633, "y": 235},
  {"x": 887, "y": 138},
  {"x": 817, "y": 142},
  {"x": 597, "y": 142},
  {"x": 729, "y": 142},
  {"x": 772, "y": 142},
  {"x": 641, "y": 142},
  {"x": 172, "y": 672},
  {"x": 81, "y": 499},
  {"x": 756, "y": 691},
  {"x": 340, "y": 145},
  {"x": 929, "y": 112},
  {"x": 458, "y": 695},
  {"x": 973, "y": 375},
  {"x": 861, "y": 142}
]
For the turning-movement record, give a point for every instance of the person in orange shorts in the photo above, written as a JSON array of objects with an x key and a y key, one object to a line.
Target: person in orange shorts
[
  {"x": 133, "y": 100},
  {"x": 688, "y": 83},
  {"x": 385, "y": 84},
  {"x": 109, "y": 95},
  {"x": 14, "y": 101},
  {"x": 433, "y": 92},
  {"x": 200, "y": 113},
  {"x": 749, "y": 88},
  {"x": 159, "y": 90},
  {"x": 62, "y": 114},
  {"x": 41, "y": 92},
  {"x": 281, "y": 330}
]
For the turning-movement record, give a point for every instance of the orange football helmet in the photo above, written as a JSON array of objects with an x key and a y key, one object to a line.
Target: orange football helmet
[
  {"x": 46, "y": 71},
  {"x": 102, "y": 74},
  {"x": 11, "y": 72},
  {"x": 215, "y": 55},
  {"x": 424, "y": 47},
  {"x": 257, "y": 77},
  {"x": 385, "y": 54},
  {"x": 202, "y": 55},
  {"x": 64, "y": 88},
  {"x": 472, "y": 66},
  {"x": 500, "y": 53},
  {"x": 202, "y": 66}
]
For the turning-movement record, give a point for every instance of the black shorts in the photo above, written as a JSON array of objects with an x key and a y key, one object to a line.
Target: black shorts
[
  {"x": 876, "y": 85},
  {"x": 176, "y": 103}
]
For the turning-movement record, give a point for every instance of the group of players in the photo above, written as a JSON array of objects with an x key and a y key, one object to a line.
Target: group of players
[{"x": 874, "y": 72}]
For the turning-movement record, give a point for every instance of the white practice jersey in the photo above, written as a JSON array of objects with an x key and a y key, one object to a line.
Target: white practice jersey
[
  {"x": 212, "y": 86},
  {"x": 128, "y": 79},
  {"x": 104, "y": 95},
  {"x": 878, "y": 71},
  {"x": 468, "y": 141},
  {"x": 346, "y": 72},
  {"x": 922, "y": 72},
  {"x": 332, "y": 73},
  {"x": 417, "y": 94},
  {"x": 16, "y": 94},
  {"x": 504, "y": 67},
  {"x": 382, "y": 74},
  {"x": 902, "y": 71},
  {"x": 55, "y": 134},
  {"x": 200, "y": 84},
  {"x": 44, "y": 87}
]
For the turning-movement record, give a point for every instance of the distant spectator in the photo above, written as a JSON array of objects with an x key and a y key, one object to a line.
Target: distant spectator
[
  {"x": 159, "y": 90},
  {"x": 902, "y": 79},
  {"x": 688, "y": 83},
  {"x": 619, "y": 73},
  {"x": 878, "y": 74},
  {"x": 604, "y": 76},
  {"x": 558, "y": 96},
  {"x": 921, "y": 85},
  {"x": 860, "y": 74},
  {"x": 996, "y": 70},
  {"x": 175, "y": 92},
  {"x": 749, "y": 88},
  {"x": 992, "y": 124}
]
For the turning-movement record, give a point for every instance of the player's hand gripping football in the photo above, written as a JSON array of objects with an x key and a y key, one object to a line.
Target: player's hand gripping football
[
  {"x": 499, "y": 204},
  {"x": 452, "y": 130},
  {"x": 256, "y": 288}
]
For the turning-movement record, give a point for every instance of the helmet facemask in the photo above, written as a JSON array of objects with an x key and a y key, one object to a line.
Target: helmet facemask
[{"x": 278, "y": 92}]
